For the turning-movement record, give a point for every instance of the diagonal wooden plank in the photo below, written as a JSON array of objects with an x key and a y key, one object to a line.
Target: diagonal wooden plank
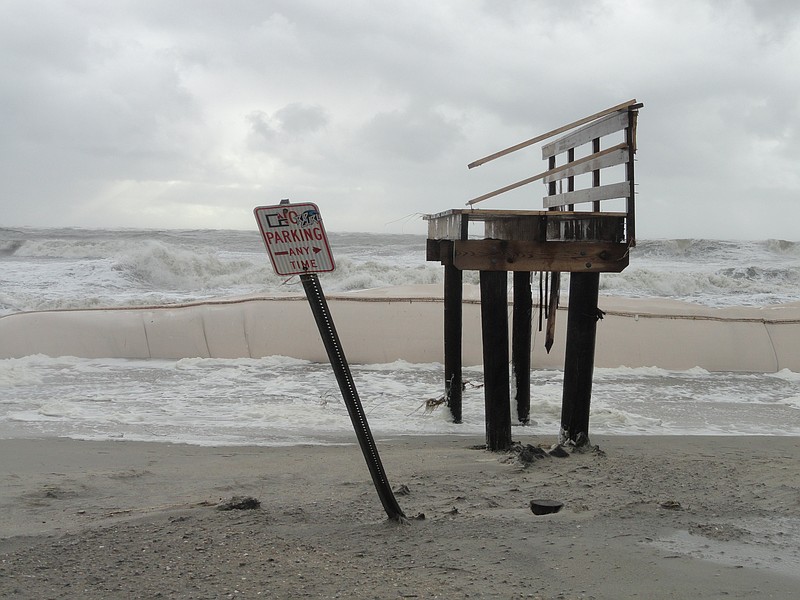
[{"x": 549, "y": 134}]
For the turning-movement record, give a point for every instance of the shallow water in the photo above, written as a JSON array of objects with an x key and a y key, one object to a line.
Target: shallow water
[
  {"x": 760, "y": 543},
  {"x": 279, "y": 400}
]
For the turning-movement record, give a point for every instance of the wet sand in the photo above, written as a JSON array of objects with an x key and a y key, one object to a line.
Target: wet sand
[{"x": 644, "y": 517}]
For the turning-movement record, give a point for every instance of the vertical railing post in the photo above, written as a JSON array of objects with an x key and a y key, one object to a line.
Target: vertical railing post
[
  {"x": 555, "y": 276},
  {"x": 596, "y": 174},
  {"x": 630, "y": 139}
]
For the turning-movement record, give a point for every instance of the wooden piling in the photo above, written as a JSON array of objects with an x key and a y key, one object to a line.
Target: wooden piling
[
  {"x": 494, "y": 327},
  {"x": 582, "y": 318},
  {"x": 521, "y": 344},
  {"x": 452, "y": 339}
]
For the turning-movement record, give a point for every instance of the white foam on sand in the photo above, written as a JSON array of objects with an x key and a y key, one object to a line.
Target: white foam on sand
[{"x": 282, "y": 400}]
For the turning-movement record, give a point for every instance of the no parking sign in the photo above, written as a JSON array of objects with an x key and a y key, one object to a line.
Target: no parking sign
[{"x": 295, "y": 238}]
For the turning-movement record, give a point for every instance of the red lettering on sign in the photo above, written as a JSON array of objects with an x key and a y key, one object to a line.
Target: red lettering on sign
[{"x": 304, "y": 265}]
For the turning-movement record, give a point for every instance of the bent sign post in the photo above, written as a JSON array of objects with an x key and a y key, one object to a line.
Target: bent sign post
[{"x": 297, "y": 245}]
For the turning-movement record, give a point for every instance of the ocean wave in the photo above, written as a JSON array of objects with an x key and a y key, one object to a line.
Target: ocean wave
[
  {"x": 705, "y": 250},
  {"x": 72, "y": 268},
  {"x": 735, "y": 285},
  {"x": 353, "y": 275},
  {"x": 160, "y": 266},
  {"x": 10, "y": 247},
  {"x": 73, "y": 249},
  {"x": 786, "y": 375},
  {"x": 164, "y": 266},
  {"x": 14, "y": 373},
  {"x": 689, "y": 248},
  {"x": 782, "y": 247}
]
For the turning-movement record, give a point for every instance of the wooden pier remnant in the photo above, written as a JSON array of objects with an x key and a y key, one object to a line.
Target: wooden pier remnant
[{"x": 583, "y": 241}]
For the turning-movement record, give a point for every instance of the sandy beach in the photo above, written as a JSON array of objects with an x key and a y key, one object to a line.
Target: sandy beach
[{"x": 643, "y": 517}]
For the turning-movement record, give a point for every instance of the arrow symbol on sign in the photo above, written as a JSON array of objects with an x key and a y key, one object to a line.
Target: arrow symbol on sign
[{"x": 285, "y": 252}]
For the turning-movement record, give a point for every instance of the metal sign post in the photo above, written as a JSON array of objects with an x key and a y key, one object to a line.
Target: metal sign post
[{"x": 297, "y": 244}]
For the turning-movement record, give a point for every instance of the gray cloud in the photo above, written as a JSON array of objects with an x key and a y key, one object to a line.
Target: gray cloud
[
  {"x": 189, "y": 112},
  {"x": 413, "y": 135},
  {"x": 290, "y": 124}
]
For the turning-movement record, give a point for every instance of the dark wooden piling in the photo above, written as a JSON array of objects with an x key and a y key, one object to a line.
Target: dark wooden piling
[
  {"x": 582, "y": 318},
  {"x": 452, "y": 339},
  {"x": 521, "y": 344},
  {"x": 494, "y": 326}
]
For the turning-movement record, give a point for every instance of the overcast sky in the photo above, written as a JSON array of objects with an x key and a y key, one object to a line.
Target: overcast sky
[{"x": 188, "y": 113}]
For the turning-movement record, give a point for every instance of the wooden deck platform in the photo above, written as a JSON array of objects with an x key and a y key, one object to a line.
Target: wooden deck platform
[{"x": 529, "y": 240}]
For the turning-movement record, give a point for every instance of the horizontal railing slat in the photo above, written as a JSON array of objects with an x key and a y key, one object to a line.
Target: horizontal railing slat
[
  {"x": 595, "y": 194},
  {"x": 605, "y": 126},
  {"x": 611, "y": 157}
]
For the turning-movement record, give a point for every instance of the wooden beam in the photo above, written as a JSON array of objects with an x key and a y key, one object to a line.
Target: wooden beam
[
  {"x": 604, "y": 192},
  {"x": 511, "y": 255},
  {"x": 439, "y": 251},
  {"x": 610, "y": 124},
  {"x": 531, "y": 225},
  {"x": 487, "y": 214},
  {"x": 549, "y": 134}
]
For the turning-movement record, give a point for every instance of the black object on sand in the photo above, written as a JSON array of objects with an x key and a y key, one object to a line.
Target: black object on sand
[{"x": 546, "y": 507}]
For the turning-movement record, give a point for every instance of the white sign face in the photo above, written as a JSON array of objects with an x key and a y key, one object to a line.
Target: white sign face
[{"x": 295, "y": 238}]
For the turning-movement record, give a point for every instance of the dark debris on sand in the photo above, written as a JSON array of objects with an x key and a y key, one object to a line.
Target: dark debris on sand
[{"x": 240, "y": 503}]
